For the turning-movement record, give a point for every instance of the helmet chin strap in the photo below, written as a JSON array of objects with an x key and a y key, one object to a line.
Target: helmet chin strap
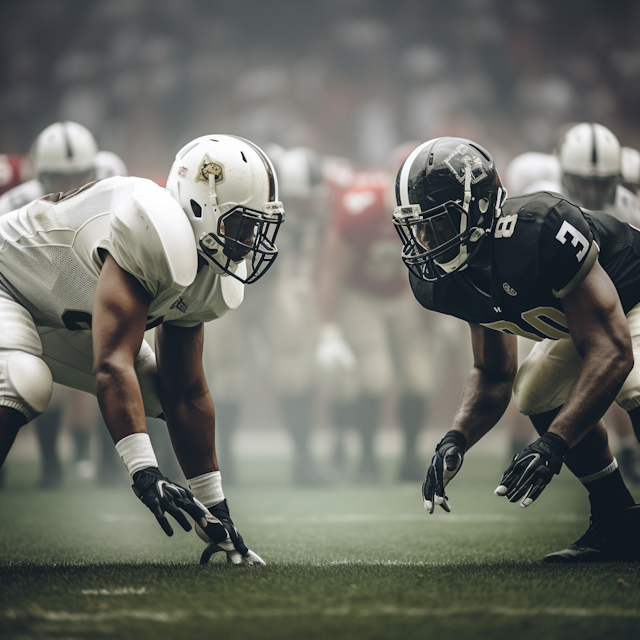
[{"x": 213, "y": 196}]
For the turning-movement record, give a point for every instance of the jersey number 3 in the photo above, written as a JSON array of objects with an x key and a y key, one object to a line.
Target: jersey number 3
[{"x": 576, "y": 239}]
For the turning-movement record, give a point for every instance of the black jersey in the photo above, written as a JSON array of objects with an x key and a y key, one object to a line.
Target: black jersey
[{"x": 543, "y": 247}]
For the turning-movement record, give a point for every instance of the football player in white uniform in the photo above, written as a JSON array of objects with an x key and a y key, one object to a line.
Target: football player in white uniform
[
  {"x": 591, "y": 172},
  {"x": 588, "y": 166},
  {"x": 274, "y": 330},
  {"x": 65, "y": 156},
  {"x": 630, "y": 169},
  {"x": 590, "y": 158},
  {"x": 62, "y": 157},
  {"x": 83, "y": 275}
]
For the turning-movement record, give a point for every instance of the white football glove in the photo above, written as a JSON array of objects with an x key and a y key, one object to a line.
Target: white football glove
[
  {"x": 221, "y": 534},
  {"x": 333, "y": 353}
]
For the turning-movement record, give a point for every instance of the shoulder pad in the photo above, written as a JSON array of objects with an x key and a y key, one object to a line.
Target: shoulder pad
[
  {"x": 151, "y": 238},
  {"x": 536, "y": 250}
]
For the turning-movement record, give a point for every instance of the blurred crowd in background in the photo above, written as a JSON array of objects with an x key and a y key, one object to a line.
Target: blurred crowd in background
[{"x": 345, "y": 84}]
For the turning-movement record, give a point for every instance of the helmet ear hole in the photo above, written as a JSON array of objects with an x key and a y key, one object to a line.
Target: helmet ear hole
[
  {"x": 483, "y": 205},
  {"x": 196, "y": 208}
]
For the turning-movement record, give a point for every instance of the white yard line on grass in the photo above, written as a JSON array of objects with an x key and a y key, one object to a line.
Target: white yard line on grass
[
  {"x": 123, "y": 591},
  {"x": 407, "y": 517},
  {"x": 172, "y": 617}
]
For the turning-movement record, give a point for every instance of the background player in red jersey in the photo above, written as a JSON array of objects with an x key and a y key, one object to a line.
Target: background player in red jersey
[
  {"x": 366, "y": 306},
  {"x": 14, "y": 170}
]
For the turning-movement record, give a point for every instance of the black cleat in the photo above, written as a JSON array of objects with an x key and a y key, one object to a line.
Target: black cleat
[{"x": 610, "y": 537}]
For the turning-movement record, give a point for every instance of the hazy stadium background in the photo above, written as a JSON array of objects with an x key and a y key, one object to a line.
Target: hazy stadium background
[{"x": 349, "y": 78}]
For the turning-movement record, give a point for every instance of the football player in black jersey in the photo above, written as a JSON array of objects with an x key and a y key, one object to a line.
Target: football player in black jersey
[{"x": 539, "y": 267}]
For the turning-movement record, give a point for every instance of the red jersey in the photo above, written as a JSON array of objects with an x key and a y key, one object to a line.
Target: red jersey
[
  {"x": 363, "y": 219},
  {"x": 13, "y": 170}
]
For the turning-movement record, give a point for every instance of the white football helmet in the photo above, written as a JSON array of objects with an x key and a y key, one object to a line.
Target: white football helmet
[
  {"x": 527, "y": 171},
  {"x": 630, "y": 168},
  {"x": 228, "y": 189},
  {"x": 300, "y": 171},
  {"x": 109, "y": 164},
  {"x": 63, "y": 156},
  {"x": 589, "y": 156}
]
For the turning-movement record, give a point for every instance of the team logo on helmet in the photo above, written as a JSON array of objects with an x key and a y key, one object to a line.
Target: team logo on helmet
[
  {"x": 207, "y": 168},
  {"x": 466, "y": 156}
]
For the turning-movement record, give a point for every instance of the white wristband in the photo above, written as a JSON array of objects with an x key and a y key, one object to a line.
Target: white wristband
[
  {"x": 136, "y": 452},
  {"x": 207, "y": 488}
]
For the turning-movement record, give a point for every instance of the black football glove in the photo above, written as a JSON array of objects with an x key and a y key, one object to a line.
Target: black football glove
[
  {"x": 444, "y": 466},
  {"x": 532, "y": 469},
  {"x": 163, "y": 496},
  {"x": 221, "y": 534}
]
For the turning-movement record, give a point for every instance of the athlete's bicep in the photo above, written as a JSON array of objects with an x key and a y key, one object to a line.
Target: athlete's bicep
[
  {"x": 594, "y": 313},
  {"x": 494, "y": 352},
  {"x": 120, "y": 308}
]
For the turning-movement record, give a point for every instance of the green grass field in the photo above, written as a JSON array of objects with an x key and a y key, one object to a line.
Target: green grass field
[{"x": 347, "y": 562}]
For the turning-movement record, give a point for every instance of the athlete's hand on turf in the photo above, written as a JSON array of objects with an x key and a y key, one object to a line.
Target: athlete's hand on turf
[
  {"x": 532, "y": 469},
  {"x": 220, "y": 534},
  {"x": 163, "y": 496},
  {"x": 444, "y": 466}
]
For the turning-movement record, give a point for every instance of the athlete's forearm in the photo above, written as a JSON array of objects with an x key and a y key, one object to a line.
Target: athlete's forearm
[
  {"x": 485, "y": 398},
  {"x": 599, "y": 380},
  {"x": 191, "y": 422},
  {"x": 120, "y": 399}
]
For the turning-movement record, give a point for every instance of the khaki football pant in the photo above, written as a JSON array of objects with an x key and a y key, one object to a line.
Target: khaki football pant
[{"x": 545, "y": 377}]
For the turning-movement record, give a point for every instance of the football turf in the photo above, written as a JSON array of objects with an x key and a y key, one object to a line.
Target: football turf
[{"x": 346, "y": 562}]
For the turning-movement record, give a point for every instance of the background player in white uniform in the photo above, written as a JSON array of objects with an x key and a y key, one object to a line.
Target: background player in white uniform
[
  {"x": 84, "y": 274},
  {"x": 272, "y": 334},
  {"x": 65, "y": 156},
  {"x": 630, "y": 169},
  {"x": 62, "y": 158},
  {"x": 588, "y": 168},
  {"x": 590, "y": 159}
]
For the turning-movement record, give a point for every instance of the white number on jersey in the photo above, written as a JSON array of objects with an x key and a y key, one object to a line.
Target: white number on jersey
[
  {"x": 505, "y": 226},
  {"x": 535, "y": 318},
  {"x": 576, "y": 238}
]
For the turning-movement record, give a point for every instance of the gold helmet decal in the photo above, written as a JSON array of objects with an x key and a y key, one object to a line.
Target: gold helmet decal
[{"x": 207, "y": 168}]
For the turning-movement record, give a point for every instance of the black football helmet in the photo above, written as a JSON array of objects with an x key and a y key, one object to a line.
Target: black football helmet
[{"x": 449, "y": 194}]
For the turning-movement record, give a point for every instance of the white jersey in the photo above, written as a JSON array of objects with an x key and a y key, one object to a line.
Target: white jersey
[
  {"x": 19, "y": 196},
  {"x": 51, "y": 255},
  {"x": 626, "y": 206}
]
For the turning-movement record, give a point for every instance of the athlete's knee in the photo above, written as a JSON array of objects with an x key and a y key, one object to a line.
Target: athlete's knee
[{"x": 27, "y": 383}]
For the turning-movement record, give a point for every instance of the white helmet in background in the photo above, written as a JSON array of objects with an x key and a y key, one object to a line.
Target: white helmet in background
[
  {"x": 589, "y": 156},
  {"x": 63, "y": 156},
  {"x": 109, "y": 164},
  {"x": 630, "y": 168},
  {"x": 526, "y": 172},
  {"x": 228, "y": 189},
  {"x": 300, "y": 172}
]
